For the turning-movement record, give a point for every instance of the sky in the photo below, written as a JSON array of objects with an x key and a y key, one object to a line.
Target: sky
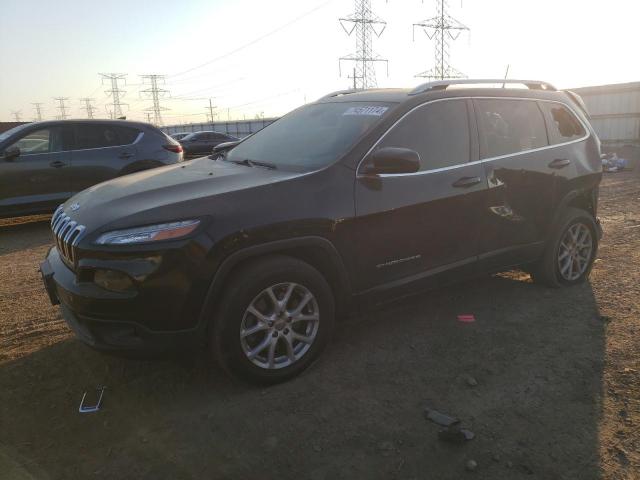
[{"x": 265, "y": 58}]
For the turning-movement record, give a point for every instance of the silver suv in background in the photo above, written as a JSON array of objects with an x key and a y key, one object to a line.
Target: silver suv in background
[{"x": 44, "y": 163}]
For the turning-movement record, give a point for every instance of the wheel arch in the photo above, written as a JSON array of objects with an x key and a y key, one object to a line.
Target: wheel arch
[{"x": 317, "y": 251}]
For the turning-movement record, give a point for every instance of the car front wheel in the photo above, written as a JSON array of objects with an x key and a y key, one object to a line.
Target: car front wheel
[{"x": 275, "y": 318}]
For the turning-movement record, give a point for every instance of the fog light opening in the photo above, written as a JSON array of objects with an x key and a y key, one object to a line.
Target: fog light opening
[{"x": 113, "y": 280}]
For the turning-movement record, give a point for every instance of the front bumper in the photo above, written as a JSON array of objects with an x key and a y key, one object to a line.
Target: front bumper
[{"x": 102, "y": 319}]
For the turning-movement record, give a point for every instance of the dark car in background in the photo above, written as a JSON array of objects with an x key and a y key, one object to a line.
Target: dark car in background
[
  {"x": 180, "y": 135},
  {"x": 44, "y": 163},
  {"x": 202, "y": 143},
  {"x": 356, "y": 199}
]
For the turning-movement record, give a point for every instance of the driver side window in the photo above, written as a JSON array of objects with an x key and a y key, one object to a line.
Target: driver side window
[{"x": 40, "y": 141}]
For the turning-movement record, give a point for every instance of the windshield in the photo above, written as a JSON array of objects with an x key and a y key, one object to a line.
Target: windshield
[
  {"x": 8, "y": 133},
  {"x": 312, "y": 136}
]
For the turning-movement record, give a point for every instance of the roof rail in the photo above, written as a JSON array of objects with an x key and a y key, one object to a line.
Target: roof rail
[
  {"x": 339, "y": 93},
  {"x": 443, "y": 84}
]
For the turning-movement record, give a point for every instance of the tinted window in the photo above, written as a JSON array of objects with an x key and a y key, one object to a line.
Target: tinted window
[
  {"x": 563, "y": 125},
  {"x": 509, "y": 126},
  {"x": 100, "y": 136},
  {"x": 438, "y": 131},
  {"x": 312, "y": 136},
  {"x": 46, "y": 140}
]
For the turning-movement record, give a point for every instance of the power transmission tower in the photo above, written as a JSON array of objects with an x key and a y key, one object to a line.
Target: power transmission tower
[
  {"x": 443, "y": 27},
  {"x": 62, "y": 107},
  {"x": 38, "y": 108},
  {"x": 211, "y": 108},
  {"x": 155, "y": 93},
  {"x": 366, "y": 26},
  {"x": 115, "y": 92},
  {"x": 148, "y": 115},
  {"x": 88, "y": 107},
  {"x": 16, "y": 115}
]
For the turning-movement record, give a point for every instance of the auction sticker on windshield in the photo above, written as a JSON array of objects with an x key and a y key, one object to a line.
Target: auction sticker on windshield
[{"x": 375, "y": 111}]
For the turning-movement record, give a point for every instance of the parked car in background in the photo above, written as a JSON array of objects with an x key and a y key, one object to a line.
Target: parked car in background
[
  {"x": 202, "y": 143},
  {"x": 44, "y": 163},
  {"x": 356, "y": 199},
  {"x": 179, "y": 136}
]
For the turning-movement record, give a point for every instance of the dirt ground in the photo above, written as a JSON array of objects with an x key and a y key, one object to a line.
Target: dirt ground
[{"x": 557, "y": 394}]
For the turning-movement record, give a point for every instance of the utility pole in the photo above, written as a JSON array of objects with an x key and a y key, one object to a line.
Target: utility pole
[
  {"x": 148, "y": 115},
  {"x": 441, "y": 28},
  {"x": 211, "y": 109},
  {"x": 62, "y": 107},
  {"x": 155, "y": 93},
  {"x": 366, "y": 26},
  {"x": 38, "y": 108},
  {"x": 17, "y": 115},
  {"x": 88, "y": 107},
  {"x": 115, "y": 92}
]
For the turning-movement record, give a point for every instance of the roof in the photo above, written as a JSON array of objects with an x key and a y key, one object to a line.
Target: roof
[
  {"x": 4, "y": 126},
  {"x": 90, "y": 120}
]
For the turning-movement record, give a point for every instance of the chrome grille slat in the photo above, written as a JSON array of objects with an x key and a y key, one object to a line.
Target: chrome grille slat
[{"x": 67, "y": 235}]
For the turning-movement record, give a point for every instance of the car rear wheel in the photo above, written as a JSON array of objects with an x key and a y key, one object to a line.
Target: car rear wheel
[
  {"x": 276, "y": 316},
  {"x": 570, "y": 253}
]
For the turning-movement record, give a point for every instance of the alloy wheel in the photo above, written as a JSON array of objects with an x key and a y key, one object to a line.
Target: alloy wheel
[
  {"x": 279, "y": 326},
  {"x": 574, "y": 252}
]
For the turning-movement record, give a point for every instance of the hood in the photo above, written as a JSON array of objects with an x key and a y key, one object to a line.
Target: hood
[{"x": 179, "y": 191}]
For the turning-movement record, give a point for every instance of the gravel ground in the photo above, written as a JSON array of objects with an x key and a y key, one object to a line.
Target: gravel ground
[{"x": 548, "y": 380}]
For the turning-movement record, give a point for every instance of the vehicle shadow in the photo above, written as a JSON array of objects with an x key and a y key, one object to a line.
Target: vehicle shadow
[
  {"x": 23, "y": 233},
  {"x": 535, "y": 356}
]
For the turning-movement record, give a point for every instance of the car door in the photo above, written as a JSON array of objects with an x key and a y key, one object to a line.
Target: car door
[
  {"x": 37, "y": 179},
  {"x": 413, "y": 226},
  {"x": 520, "y": 203},
  {"x": 102, "y": 151}
]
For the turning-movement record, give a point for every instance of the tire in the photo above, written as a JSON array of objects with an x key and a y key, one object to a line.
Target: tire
[
  {"x": 552, "y": 269},
  {"x": 250, "y": 286}
]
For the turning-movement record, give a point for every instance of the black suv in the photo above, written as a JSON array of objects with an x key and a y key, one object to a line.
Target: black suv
[
  {"x": 355, "y": 199},
  {"x": 44, "y": 163}
]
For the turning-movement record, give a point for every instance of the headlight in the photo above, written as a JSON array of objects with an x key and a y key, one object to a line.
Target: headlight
[{"x": 150, "y": 233}]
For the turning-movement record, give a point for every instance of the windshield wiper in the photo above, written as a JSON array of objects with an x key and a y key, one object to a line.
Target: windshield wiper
[{"x": 254, "y": 163}]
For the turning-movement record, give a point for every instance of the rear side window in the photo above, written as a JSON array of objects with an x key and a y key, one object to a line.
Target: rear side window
[
  {"x": 509, "y": 126},
  {"x": 438, "y": 131},
  {"x": 101, "y": 136},
  {"x": 562, "y": 123}
]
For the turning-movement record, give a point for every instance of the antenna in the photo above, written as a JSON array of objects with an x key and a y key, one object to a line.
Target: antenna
[
  {"x": 88, "y": 107},
  {"x": 38, "y": 108},
  {"x": 155, "y": 94},
  {"x": 62, "y": 107},
  {"x": 114, "y": 92},
  {"x": 443, "y": 28},
  {"x": 366, "y": 26}
]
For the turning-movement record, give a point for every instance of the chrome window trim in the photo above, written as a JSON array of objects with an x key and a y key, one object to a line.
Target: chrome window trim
[{"x": 475, "y": 162}]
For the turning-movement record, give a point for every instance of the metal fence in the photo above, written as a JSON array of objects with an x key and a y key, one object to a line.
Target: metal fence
[{"x": 237, "y": 128}]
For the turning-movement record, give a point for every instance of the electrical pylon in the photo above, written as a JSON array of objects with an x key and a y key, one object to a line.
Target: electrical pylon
[
  {"x": 115, "y": 93},
  {"x": 155, "y": 93}
]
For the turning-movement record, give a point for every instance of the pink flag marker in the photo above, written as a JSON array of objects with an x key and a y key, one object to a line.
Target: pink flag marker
[{"x": 466, "y": 318}]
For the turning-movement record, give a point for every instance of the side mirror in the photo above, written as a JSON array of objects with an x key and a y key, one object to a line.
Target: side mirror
[
  {"x": 11, "y": 153},
  {"x": 392, "y": 161},
  {"x": 224, "y": 146}
]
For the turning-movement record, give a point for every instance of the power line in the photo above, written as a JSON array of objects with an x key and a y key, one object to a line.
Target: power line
[
  {"x": 87, "y": 106},
  {"x": 443, "y": 27},
  {"x": 115, "y": 92},
  {"x": 17, "y": 115},
  {"x": 253, "y": 42},
  {"x": 62, "y": 107},
  {"x": 38, "y": 108},
  {"x": 155, "y": 93},
  {"x": 366, "y": 26}
]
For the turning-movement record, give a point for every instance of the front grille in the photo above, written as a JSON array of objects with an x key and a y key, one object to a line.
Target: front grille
[{"x": 66, "y": 233}]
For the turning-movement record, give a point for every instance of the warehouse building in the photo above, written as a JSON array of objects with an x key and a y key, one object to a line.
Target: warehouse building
[{"x": 615, "y": 116}]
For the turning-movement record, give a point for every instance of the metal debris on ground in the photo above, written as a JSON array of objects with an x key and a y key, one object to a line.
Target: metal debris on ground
[
  {"x": 453, "y": 433},
  {"x": 440, "y": 418},
  {"x": 92, "y": 408},
  {"x": 466, "y": 318}
]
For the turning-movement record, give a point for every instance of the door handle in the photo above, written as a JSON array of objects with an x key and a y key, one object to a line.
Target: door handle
[
  {"x": 466, "y": 182},
  {"x": 126, "y": 155},
  {"x": 57, "y": 164},
  {"x": 560, "y": 163}
]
